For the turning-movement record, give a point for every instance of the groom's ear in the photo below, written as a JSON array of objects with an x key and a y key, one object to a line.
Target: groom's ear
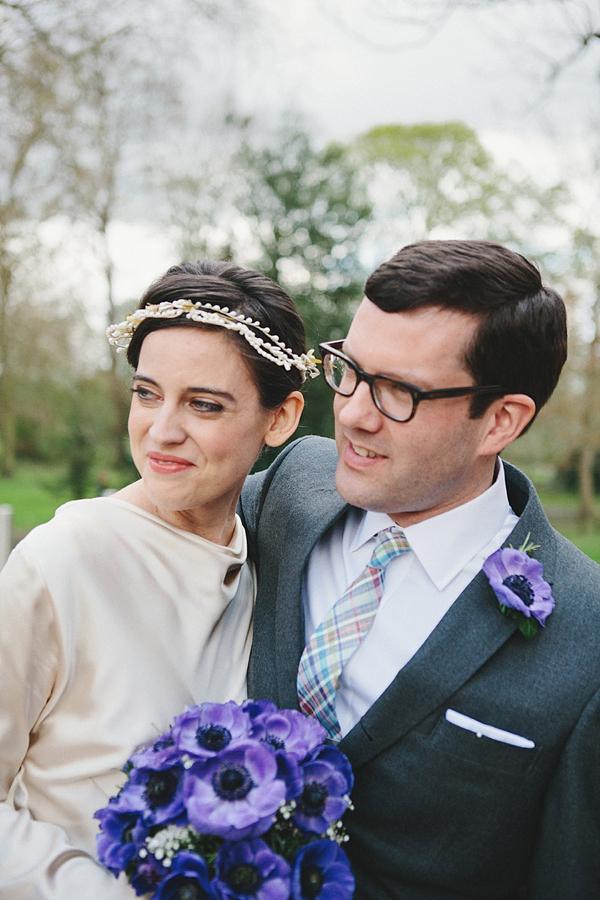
[
  {"x": 506, "y": 419},
  {"x": 285, "y": 419}
]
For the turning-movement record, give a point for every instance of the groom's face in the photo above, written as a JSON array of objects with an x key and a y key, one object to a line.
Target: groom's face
[{"x": 417, "y": 469}]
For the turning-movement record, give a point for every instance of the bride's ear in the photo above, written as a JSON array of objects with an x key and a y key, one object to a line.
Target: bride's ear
[{"x": 285, "y": 419}]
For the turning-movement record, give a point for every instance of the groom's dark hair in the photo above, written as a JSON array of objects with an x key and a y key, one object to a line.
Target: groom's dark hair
[{"x": 521, "y": 341}]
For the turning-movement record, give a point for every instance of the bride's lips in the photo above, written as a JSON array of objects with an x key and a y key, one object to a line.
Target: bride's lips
[{"x": 161, "y": 462}]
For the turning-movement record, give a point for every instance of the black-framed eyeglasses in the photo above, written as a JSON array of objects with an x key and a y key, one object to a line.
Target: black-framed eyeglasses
[{"x": 397, "y": 400}]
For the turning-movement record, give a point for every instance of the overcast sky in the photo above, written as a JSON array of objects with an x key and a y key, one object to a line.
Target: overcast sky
[{"x": 348, "y": 67}]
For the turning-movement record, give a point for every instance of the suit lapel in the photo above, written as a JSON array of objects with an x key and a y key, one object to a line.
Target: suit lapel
[
  {"x": 321, "y": 509},
  {"x": 471, "y": 631},
  {"x": 469, "y": 634}
]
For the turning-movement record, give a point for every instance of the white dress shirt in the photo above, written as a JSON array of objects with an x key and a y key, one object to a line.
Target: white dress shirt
[{"x": 447, "y": 551}]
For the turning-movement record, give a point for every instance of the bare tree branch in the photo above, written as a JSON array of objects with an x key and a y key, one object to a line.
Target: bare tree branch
[{"x": 571, "y": 27}]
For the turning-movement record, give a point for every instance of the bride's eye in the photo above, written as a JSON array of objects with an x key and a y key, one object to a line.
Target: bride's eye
[
  {"x": 206, "y": 406},
  {"x": 144, "y": 393}
]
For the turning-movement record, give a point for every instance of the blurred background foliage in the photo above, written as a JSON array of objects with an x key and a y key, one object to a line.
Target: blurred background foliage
[{"x": 99, "y": 129}]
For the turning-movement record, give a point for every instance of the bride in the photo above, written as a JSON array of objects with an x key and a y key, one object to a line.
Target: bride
[{"x": 124, "y": 609}]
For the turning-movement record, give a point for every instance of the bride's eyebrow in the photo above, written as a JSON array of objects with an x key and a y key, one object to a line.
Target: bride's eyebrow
[{"x": 215, "y": 392}]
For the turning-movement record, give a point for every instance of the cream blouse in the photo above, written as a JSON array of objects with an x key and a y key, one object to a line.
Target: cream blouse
[{"x": 111, "y": 623}]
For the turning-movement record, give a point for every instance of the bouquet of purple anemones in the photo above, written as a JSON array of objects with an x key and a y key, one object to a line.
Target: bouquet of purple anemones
[{"x": 234, "y": 802}]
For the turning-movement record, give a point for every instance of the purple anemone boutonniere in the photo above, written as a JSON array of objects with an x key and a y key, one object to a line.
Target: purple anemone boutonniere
[{"x": 516, "y": 579}]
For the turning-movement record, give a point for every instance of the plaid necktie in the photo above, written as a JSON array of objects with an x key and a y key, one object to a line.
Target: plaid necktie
[{"x": 341, "y": 632}]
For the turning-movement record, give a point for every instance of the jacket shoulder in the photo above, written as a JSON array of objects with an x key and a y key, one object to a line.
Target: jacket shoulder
[
  {"x": 578, "y": 576},
  {"x": 299, "y": 464},
  {"x": 287, "y": 488}
]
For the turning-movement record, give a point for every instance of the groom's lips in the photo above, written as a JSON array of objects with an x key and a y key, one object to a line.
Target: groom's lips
[
  {"x": 363, "y": 451},
  {"x": 357, "y": 456}
]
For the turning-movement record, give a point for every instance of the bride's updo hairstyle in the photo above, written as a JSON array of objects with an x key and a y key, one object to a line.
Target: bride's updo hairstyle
[{"x": 247, "y": 295}]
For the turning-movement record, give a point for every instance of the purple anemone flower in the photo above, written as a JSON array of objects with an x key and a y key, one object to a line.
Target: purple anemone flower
[
  {"x": 236, "y": 794},
  {"x": 256, "y": 708},
  {"x": 161, "y": 754},
  {"x": 247, "y": 869},
  {"x": 289, "y": 772},
  {"x": 148, "y": 874},
  {"x": 327, "y": 782},
  {"x": 187, "y": 880},
  {"x": 517, "y": 581},
  {"x": 322, "y": 872},
  {"x": 121, "y": 836},
  {"x": 158, "y": 793},
  {"x": 205, "y": 730},
  {"x": 287, "y": 729}
]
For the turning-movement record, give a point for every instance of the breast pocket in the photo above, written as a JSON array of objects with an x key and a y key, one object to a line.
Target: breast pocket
[{"x": 478, "y": 749}]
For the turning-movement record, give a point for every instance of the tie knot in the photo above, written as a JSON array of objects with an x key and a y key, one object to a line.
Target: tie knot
[{"x": 390, "y": 543}]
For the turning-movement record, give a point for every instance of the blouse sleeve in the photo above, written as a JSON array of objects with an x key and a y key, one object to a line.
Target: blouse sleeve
[{"x": 36, "y": 860}]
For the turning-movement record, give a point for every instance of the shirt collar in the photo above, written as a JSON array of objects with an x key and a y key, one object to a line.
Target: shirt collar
[{"x": 446, "y": 543}]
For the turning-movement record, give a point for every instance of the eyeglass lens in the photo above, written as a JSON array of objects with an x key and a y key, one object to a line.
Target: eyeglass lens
[{"x": 391, "y": 398}]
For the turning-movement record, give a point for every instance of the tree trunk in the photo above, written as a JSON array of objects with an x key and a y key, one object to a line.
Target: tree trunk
[
  {"x": 586, "y": 486},
  {"x": 8, "y": 431}
]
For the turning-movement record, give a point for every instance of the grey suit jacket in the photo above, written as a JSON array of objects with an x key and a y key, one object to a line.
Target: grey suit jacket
[{"x": 441, "y": 814}]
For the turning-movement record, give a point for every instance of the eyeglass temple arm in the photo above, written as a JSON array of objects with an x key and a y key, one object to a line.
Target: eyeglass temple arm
[{"x": 458, "y": 392}]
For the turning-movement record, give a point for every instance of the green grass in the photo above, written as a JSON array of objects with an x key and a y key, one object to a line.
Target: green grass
[
  {"x": 562, "y": 509},
  {"x": 587, "y": 541},
  {"x": 36, "y": 490}
]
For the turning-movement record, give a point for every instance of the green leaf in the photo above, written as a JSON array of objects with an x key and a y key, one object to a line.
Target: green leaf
[
  {"x": 528, "y": 627},
  {"x": 528, "y": 545}
]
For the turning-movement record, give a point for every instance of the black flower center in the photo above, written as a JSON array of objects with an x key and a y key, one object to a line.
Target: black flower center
[
  {"x": 232, "y": 782},
  {"x": 213, "y": 737},
  {"x": 313, "y": 798},
  {"x": 161, "y": 787},
  {"x": 311, "y": 881},
  {"x": 520, "y": 586},
  {"x": 273, "y": 742},
  {"x": 187, "y": 889},
  {"x": 244, "y": 879},
  {"x": 163, "y": 744},
  {"x": 127, "y": 833}
]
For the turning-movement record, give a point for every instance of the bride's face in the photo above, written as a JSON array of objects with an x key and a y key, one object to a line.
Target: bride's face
[{"x": 196, "y": 426}]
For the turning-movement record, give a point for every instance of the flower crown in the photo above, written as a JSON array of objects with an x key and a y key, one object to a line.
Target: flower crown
[{"x": 271, "y": 346}]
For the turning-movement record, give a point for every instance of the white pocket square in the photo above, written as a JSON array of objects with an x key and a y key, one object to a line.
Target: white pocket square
[{"x": 489, "y": 731}]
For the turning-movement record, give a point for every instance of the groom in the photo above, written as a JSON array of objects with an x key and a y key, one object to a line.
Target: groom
[{"x": 475, "y": 748}]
